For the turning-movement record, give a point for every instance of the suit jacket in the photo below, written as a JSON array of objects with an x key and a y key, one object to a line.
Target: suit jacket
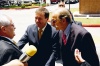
[
  {"x": 81, "y": 39},
  {"x": 78, "y": 23},
  {"x": 8, "y": 50},
  {"x": 45, "y": 46},
  {"x": 85, "y": 64}
]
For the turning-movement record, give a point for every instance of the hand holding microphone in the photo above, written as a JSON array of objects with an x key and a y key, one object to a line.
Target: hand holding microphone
[{"x": 29, "y": 52}]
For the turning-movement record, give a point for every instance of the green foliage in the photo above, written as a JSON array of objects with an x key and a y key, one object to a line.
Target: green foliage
[
  {"x": 89, "y": 21},
  {"x": 44, "y": 4},
  {"x": 12, "y": 6},
  {"x": 22, "y": 6}
]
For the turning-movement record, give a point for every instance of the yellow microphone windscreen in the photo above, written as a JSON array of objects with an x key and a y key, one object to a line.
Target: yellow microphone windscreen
[{"x": 31, "y": 50}]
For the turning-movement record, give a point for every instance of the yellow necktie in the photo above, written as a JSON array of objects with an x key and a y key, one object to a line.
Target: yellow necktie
[{"x": 40, "y": 33}]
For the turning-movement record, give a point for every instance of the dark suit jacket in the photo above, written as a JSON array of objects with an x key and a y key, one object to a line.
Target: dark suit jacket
[
  {"x": 81, "y": 39},
  {"x": 85, "y": 64},
  {"x": 8, "y": 50},
  {"x": 45, "y": 46}
]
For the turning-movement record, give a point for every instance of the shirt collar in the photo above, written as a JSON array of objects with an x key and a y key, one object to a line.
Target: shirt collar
[
  {"x": 67, "y": 30},
  {"x": 43, "y": 27},
  {"x": 7, "y": 38}
]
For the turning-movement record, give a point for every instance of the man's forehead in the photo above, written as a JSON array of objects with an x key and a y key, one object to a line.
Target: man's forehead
[
  {"x": 61, "y": 4},
  {"x": 39, "y": 14}
]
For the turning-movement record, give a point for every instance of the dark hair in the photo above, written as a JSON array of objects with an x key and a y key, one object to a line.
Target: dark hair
[
  {"x": 42, "y": 9},
  {"x": 71, "y": 15}
]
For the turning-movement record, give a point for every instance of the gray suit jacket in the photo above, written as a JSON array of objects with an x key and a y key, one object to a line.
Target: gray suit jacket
[
  {"x": 8, "y": 50},
  {"x": 45, "y": 46}
]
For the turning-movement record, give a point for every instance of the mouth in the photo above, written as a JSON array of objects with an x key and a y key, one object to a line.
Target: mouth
[{"x": 38, "y": 23}]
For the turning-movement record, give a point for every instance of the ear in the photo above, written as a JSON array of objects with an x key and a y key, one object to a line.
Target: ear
[
  {"x": 64, "y": 20},
  {"x": 3, "y": 28},
  {"x": 47, "y": 19}
]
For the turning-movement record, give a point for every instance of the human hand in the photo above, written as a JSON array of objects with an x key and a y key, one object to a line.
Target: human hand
[
  {"x": 16, "y": 62},
  {"x": 78, "y": 56}
]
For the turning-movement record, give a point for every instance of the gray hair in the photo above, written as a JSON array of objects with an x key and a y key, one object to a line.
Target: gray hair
[
  {"x": 64, "y": 13},
  {"x": 4, "y": 20}
]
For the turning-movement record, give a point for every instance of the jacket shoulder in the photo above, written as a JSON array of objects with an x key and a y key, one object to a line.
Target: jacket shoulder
[{"x": 77, "y": 29}]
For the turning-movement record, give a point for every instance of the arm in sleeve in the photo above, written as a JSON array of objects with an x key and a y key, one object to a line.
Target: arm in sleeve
[
  {"x": 8, "y": 55},
  {"x": 88, "y": 50},
  {"x": 85, "y": 64},
  {"x": 24, "y": 40},
  {"x": 51, "y": 61}
]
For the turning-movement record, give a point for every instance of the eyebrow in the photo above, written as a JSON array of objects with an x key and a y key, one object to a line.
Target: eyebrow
[{"x": 61, "y": 5}]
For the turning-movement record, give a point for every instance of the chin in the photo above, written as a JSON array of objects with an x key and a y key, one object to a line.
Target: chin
[
  {"x": 57, "y": 29},
  {"x": 13, "y": 36}
]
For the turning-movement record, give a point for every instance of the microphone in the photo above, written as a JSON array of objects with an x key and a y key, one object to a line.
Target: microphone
[{"x": 29, "y": 52}]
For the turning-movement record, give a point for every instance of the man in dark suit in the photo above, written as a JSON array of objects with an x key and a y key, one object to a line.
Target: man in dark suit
[
  {"x": 74, "y": 36},
  {"x": 45, "y": 45},
  {"x": 8, "y": 50}
]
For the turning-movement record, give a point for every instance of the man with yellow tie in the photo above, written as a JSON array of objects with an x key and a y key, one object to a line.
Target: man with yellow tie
[{"x": 45, "y": 45}]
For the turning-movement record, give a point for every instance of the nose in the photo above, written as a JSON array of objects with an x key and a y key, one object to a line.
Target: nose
[
  {"x": 36, "y": 20},
  {"x": 14, "y": 26}
]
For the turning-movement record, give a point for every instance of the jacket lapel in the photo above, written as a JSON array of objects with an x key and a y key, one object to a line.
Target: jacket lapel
[
  {"x": 72, "y": 37},
  {"x": 35, "y": 33}
]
